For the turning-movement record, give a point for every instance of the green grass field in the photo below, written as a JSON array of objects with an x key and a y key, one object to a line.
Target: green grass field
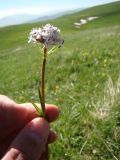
[{"x": 82, "y": 78}]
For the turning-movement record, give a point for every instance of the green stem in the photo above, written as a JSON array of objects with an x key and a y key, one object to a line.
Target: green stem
[
  {"x": 40, "y": 98},
  {"x": 43, "y": 91},
  {"x": 43, "y": 80}
]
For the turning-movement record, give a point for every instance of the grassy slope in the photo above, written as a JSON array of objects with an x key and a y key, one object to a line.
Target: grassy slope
[{"x": 75, "y": 80}]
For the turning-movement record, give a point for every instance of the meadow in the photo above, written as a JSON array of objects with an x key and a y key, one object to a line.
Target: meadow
[{"x": 82, "y": 78}]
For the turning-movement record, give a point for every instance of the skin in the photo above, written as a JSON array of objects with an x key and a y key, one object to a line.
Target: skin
[{"x": 24, "y": 135}]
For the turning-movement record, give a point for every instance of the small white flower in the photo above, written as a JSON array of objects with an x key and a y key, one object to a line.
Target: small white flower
[{"x": 48, "y": 35}]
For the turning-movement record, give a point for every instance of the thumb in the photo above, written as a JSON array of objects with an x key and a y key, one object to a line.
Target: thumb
[{"x": 30, "y": 142}]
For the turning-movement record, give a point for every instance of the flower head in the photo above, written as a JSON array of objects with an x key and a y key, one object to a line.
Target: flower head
[{"x": 48, "y": 35}]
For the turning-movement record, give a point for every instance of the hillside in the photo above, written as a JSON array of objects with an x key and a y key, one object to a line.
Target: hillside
[
  {"x": 108, "y": 16},
  {"x": 83, "y": 78}
]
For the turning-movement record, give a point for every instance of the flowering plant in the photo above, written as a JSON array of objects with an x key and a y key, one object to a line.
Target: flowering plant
[{"x": 47, "y": 35}]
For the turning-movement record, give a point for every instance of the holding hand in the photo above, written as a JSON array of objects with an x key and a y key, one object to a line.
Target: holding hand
[{"x": 23, "y": 135}]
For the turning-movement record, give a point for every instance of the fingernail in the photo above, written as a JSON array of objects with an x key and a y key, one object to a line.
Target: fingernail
[{"x": 20, "y": 157}]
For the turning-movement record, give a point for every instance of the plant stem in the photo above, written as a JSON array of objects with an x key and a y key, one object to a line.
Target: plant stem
[
  {"x": 43, "y": 80},
  {"x": 43, "y": 91}
]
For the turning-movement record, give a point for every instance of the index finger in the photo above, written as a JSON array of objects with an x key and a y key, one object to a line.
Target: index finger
[
  {"x": 15, "y": 116},
  {"x": 52, "y": 111}
]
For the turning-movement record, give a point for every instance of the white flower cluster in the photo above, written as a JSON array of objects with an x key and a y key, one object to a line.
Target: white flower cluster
[{"x": 48, "y": 35}]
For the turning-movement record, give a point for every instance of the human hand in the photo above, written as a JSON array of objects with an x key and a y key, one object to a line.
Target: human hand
[{"x": 23, "y": 135}]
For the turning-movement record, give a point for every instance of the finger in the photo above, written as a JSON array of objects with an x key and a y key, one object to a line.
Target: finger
[
  {"x": 31, "y": 141},
  {"x": 46, "y": 154},
  {"x": 52, "y": 111},
  {"x": 7, "y": 141},
  {"x": 4, "y": 144},
  {"x": 52, "y": 136},
  {"x": 11, "y": 112},
  {"x": 14, "y": 117}
]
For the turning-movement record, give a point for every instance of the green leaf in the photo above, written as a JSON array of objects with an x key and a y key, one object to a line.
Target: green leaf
[{"x": 39, "y": 111}]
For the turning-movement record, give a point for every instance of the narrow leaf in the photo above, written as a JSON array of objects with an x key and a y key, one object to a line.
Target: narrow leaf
[{"x": 39, "y": 112}]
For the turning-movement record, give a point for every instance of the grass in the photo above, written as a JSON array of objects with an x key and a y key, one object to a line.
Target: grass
[{"x": 82, "y": 78}]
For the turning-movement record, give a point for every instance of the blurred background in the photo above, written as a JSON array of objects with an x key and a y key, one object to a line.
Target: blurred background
[{"x": 82, "y": 77}]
